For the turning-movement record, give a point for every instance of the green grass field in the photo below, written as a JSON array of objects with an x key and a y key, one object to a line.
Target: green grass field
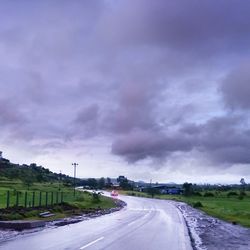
[
  {"x": 17, "y": 186},
  {"x": 80, "y": 203},
  {"x": 231, "y": 209}
]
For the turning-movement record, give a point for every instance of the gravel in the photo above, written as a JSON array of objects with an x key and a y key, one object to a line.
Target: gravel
[{"x": 210, "y": 233}]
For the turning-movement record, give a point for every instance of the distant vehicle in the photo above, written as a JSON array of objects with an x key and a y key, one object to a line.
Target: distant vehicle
[{"x": 114, "y": 193}]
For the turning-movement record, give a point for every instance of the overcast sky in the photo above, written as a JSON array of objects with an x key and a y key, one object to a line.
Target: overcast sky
[{"x": 148, "y": 89}]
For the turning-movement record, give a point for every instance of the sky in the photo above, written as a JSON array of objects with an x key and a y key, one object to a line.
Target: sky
[{"x": 147, "y": 89}]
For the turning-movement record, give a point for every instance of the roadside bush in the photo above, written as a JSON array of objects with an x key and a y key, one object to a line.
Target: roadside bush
[
  {"x": 57, "y": 209},
  {"x": 132, "y": 194},
  {"x": 242, "y": 195},
  {"x": 31, "y": 213},
  {"x": 12, "y": 216},
  {"x": 197, "y": 194},
  {"x": 95, "y": 198},
  {"x": 208, "y": 194},
  {"x": 197, "y": 204},
  {"x": 231, "y": 193}
]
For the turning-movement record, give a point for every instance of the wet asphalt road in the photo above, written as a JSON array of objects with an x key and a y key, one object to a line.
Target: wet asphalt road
[{"x": 144, "y": 224}]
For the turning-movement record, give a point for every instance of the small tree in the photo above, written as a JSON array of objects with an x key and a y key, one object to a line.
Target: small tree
[
  {"x": 243, "y": 183},
  {"x": 101, "y": 183},
  {"x": 95, "y": 197},
  {"x": 152, "y": 191},
  {"x": 188, "y": 189},
  {"x": 92, "y": 182},
  {"x": 108, "y": 183},
  {"x": 124, "y": 183},
  {"x": 243, "y": 187}
]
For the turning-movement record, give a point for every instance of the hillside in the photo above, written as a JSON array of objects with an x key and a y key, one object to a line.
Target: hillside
[{"x": 32, "y": 173}]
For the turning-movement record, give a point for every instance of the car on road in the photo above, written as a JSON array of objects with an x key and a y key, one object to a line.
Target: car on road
[{"x": 114, "y": 193}]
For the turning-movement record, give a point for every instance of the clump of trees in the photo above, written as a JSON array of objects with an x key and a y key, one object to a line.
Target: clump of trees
[
  {"x": 152, "y": 191},
  {"x": 208, "y": 194},
  {"x": 187, "y": 189},
  {"x": 124, "y": 183},
  {"x": 32, "y": 173},
  {"x": 231, "y": 194},
  {"x": 97, "y": 183}
]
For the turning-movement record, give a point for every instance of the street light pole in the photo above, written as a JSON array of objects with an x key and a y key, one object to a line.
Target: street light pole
[{"x": 74, "y": 164}]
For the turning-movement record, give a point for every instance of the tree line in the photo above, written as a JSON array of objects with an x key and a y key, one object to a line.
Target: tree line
[{"x": 32, "y": 173}]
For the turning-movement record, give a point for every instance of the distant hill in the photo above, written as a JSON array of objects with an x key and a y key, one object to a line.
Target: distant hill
[{"x": 32, "y": 173}]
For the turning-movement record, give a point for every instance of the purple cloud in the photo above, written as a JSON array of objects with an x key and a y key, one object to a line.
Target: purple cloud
[
  {"x": 150, "y": 79},
  {"x": 236, "y": 88}
]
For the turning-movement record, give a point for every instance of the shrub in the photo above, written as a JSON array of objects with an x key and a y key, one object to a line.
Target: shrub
[
  {"x": 242, "y": 195},
  {"x": 12, "y": 216},
  {"x": 132, "y": 194},
  {"x": 57, "y": 209},
  {"x": 208, "y": 194},
  {"x": 197, "y": 194},
  {"x": 95, "y": 198},
  {"x": 31, "y": 213},
  {"x": 197, "y": 204},
  {"x": 231, "y": 193}
]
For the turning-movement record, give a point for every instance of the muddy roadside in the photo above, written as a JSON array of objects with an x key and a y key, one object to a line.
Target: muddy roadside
[
  {"x": 7, "y": 233},
  {"x": 207, "y": 232}
]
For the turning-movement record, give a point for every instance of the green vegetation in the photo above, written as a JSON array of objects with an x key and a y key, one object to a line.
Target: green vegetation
[
  {"x": 83, "y": 202},
  {"x": 232, "y": 206},
  {"x": 28, "y": 190},
  {"x": 32, "y": 173}
]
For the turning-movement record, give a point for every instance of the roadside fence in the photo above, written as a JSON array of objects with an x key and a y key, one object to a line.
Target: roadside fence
[{"x": 31, "y": 199}]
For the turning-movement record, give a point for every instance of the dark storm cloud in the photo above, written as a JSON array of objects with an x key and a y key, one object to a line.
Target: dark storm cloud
[
  {"x": 87, "y": 122},
  {"x": 224, "y": 139},
  {"x": 143, "y": 74},
  {"x": 10, "y": 116},
  {"x": 135, "y": 106},
  {"x": 88, "y": 114},
  {"x": 220, "y": 139},
  {"x": 139, "y": 145},
  {"x": 236, "y": 87},
  {"x": 201, "y": 26}
]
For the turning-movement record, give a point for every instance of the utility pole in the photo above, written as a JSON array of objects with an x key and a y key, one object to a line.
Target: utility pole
[
  {"x": 60, "y": 180},
  {"x": 74, "y": 164},
  {"x": 151, "y": 189}
]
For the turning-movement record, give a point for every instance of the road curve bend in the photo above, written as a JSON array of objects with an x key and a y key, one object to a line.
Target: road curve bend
[{"x": 144, "y": 224}]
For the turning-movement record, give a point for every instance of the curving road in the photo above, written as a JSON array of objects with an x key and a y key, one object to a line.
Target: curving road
[{"x": 144, "y": 224}]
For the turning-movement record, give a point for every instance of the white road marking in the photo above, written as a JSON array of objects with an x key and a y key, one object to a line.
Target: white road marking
[
  {"x": 131, "y": 223},
  {"x": 92, "y": 242},
  {"x": 144, "y": 209}
]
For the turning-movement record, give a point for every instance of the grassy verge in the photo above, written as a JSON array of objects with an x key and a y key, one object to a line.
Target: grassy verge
[
  {"x": 231, "y": 209},
  {"x": 82, "y": 202}
]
